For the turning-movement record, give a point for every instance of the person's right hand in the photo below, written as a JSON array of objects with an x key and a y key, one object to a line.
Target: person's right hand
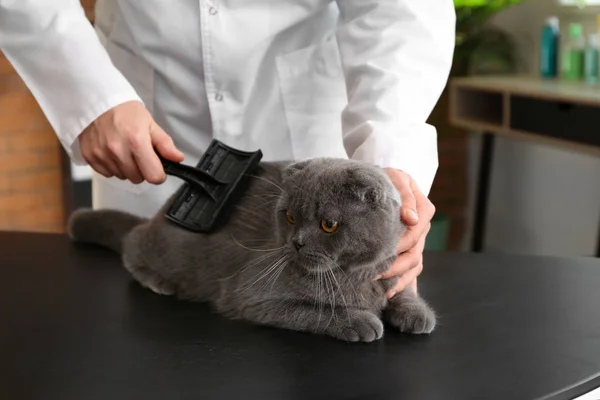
[{"x": 121, "y": 143}]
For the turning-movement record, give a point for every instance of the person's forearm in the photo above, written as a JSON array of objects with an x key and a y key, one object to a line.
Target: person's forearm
[
  {"x": 397, "y": 56},
  {"x": 55, "y": 50}
]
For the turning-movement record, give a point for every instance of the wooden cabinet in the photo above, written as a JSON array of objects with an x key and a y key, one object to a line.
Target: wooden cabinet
[{"x": 31, "y": 172}]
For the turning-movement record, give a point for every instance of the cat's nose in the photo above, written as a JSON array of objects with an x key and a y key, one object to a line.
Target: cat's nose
[{"x": 298, "y": 244}]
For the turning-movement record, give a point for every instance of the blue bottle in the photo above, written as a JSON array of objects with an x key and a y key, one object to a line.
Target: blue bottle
[
  {"x": 592, "y": 58},
  {"x": 549, "y": 50}
]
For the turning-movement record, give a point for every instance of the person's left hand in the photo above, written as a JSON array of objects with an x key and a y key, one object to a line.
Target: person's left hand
[{"x": 416, "y": 213}]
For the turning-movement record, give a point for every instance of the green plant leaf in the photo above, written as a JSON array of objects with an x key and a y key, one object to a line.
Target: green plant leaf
[{"x": 480, "y": 48}]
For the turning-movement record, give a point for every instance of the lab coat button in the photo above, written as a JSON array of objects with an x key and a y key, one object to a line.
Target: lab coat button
[
  {"x": 218, "y": 97},
  {"x": 212, "y": 11}
]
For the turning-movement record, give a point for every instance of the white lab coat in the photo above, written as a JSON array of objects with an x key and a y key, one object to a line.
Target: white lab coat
[{"x": 296, "y": 78}]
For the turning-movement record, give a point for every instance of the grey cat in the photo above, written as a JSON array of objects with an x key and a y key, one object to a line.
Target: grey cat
[{"x": 300, "y": 251}]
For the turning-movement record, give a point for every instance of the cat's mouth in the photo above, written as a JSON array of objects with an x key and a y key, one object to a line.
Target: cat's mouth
[{"x": 313, "y": 262}]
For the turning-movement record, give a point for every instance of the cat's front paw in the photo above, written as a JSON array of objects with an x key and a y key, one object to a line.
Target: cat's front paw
[
  {"x": 359, "y": 327},
  {"x": 157, "y": 284},
  {"x": 413, "y": 316},
  {"x": 161, "y": 287},
  {"x": 149, "y": 279}
]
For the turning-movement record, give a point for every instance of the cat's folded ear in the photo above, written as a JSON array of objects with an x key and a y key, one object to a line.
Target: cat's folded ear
[
  {"x": 375, "y": 189},
  {"x": 371, "y": 195},
  {"x": 378, "y": 194},
  {"x": 293, "y": 168}
]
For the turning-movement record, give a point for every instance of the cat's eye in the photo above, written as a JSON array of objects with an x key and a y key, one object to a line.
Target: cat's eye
[
  {"x": 290, "y": 217},
  {"x": 328, "y": 225}
]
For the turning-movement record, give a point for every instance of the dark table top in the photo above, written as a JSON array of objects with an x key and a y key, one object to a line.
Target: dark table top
[{"x": 73, "y": 325}]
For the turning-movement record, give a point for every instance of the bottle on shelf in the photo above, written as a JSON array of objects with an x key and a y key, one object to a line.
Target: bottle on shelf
[
  {"x": 573, "y": 54},
  {"x": 549, "y": 49},
  {"x": 592, "y": 55}
]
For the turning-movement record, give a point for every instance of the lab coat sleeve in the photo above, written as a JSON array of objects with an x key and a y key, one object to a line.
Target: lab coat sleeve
[
  {"x": 396, "y": 56},
  {"x": 55, "y": 50}
]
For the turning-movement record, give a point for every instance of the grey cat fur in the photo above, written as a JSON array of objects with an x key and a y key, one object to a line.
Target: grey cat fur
[{"x": 260, "y": 268}]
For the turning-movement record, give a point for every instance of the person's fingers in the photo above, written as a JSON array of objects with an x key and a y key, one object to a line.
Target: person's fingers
[
  {"x": 86, "y": 151},
  {"x": 101, "y": 169},
  {"x": 413, "y": 233},
  {"x": 406, "y": 280},
  {"x": 113, "y": 166},
  {"x": 409, "y": 239},
  {"x": 408, "y": 260},
  {"x": 130, "y": 169},
  {"x": 101, "y": 154},
  {"x": 409, "y": 215},
  {"x": 146, "y": 158},
  {"x": 425, "y": 207},
  {"x": 123, "y": 160},
  {"x": 100, "y": 166},
  {"x": 401, "y": 181},
  {"x": 164, "y": 144},
  {"x": 90, "y": 151},
  {"x": 402, "y": 264}
]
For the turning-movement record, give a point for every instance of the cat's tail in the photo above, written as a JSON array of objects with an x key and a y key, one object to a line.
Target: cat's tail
[{"x": 106, "y": 228}]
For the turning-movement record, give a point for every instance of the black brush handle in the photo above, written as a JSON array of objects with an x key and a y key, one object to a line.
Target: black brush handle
[{"x": 191, "y": 175}]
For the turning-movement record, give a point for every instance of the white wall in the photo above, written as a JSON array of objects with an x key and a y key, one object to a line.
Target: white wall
[{"x": 543, "y": 200}]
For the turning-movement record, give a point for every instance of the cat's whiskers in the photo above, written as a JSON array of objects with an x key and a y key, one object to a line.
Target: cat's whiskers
[
  {"x": 258, "y": 241},
  {"x": 274, "y": 272},
  {"x": 340, "y": 288},
  {"x": 263, "y": 273},
  {"x": 295, "y": 186},
  {"x": 258, "y": 208},
  {"x": 315, "y": 298},
  {"x": 249, "y": 264},
  {"x": 329, "y": 283},
  {"x": 267, "y": 195},
  {"x": 303, "y": 207},
  {"x": 318, "y": 299},
  {"x": 348, "y": 280},
  {"x": 249, "y": 214},
  {"x": 268, "y": 181},
  {"x": 250, "y": 249},
  {"x": 249, "y": 227},
  {"x": 277, "y": 274},
  {"x": 321, "y": 291}
]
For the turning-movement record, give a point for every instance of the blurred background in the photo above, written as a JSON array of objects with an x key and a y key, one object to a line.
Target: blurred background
[{"x": 518, "y": 128}]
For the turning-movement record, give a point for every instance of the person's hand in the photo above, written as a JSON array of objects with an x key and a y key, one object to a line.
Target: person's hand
[
  {"x": 416, "y": 213},
  {"x": 121, "y": 143}
]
